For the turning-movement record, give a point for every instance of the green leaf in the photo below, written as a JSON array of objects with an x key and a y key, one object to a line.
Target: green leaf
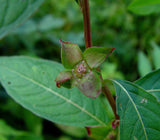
[
  {"x": 144, "y": 7},
  {"x": 156, "y": 55},
  {"x": 29, "y": 137},
  {"x": 151, "y": 83},
  {"x": 15, "y": 12},
  {"x": 3, "y": 138},
  {"x": 77, "y": 1},
  {"x": 102, "y": 133},
  {"x": 73, "y": 131},
  {"x": 138, "y": 110},
  {"x": 144, "y": 65},
  {"x": 49, "y": 22},
  {"x": 70, "y": 54},
  {"x": 96, "y": 55},
  {"x": 30, "y": 82},
  {"x": 6, "y": 130},
  {"x": 27, "y": 28},
  {"x": 156, "y": 93}
]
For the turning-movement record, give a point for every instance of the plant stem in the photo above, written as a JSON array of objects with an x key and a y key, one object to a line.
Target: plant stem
[
  {"x": 111, "y": 100},
  {"x": 88, "y": 42},
  {"x": 86, "y": 19}
]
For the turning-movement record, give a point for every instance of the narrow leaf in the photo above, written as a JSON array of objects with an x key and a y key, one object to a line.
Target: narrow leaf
[
  {"x": 14, "y": 12},
  {"x": 144, "y": 66},
  {"x": 30, "y": 82},
  {"x": 139, "y": 112},
  {"x": 7, "y": 132},
  {"x": 156, "y": 55},
  {"x": 70, "y": 54},
  {"x": 144, "y": 7},
  {"x": 96, "y": 55}
]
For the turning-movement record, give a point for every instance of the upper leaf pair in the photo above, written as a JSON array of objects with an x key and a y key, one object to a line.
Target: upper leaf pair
[{"x": 82, "y": 68}]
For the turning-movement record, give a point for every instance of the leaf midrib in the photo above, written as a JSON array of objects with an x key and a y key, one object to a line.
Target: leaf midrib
[
  {"x": 134, "y": 107},
  {"x": 60, "y": 96},
  {"x": 153, "y": 90}
]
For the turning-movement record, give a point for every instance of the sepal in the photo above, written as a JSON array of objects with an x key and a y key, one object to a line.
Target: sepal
[
  {"x": 95, "y": 56},
  {"x": 64, "y": 79},
  {"x": 90, "y": 85},
  {"x": 70, "y": 54}
]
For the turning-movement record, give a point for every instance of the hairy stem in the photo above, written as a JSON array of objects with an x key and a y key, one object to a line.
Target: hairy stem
[{"x": 86, "y": 19}]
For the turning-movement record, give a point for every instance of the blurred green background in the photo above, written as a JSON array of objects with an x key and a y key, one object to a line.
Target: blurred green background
[{"x": 135, "y": 39}]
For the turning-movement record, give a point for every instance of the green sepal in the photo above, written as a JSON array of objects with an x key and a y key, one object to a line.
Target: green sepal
[
  {"x": 90, "y": 85},
  {"x": 64, "y": 79},
  {"x": 70, "y": 54},
  {"x": 95, "y": 56}
]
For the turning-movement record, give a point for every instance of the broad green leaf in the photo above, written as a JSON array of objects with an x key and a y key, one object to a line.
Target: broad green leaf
[
  {"x": 156, "y": 55},
  {"x": 139, "y": 112},
  {"x": 15, "y": 12},
  {"x": 30, "y": 82},
  {"x": 151, "y": 83},
  {"x": 144, "y": 66},
  {"x": 156, "y": 93},
  {"x": 144, "y": 7},
  {"x": 96, "y": 55}
]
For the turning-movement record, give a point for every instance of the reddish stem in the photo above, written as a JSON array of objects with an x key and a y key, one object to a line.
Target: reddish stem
[
  {"x": 88, "y": 42},
  {"x": 86, "y": 19},
  {"x": 111, "y": 100}
]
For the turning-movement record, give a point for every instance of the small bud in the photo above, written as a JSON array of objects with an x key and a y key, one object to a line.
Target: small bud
[
  {"x": 70, "y": 54},
  {"x": 80, "y": 70},
  {"x": 95, "y": 56}
]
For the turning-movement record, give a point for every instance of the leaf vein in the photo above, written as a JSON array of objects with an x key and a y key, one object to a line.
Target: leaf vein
[
  {"x": 134, "y": 105},
  {"x": 60, "y": 96}
]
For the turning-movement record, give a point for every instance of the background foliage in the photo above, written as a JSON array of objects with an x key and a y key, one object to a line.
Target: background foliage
[{"x": 135, "y": 37}]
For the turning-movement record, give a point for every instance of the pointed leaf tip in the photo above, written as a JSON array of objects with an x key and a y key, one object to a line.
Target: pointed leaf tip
[
  {"x": 64, "y": 79},
  {"x": 88, "y": 130},
  {"x": 96, "y": 55},
  {"x": 70, "y": 54}
]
